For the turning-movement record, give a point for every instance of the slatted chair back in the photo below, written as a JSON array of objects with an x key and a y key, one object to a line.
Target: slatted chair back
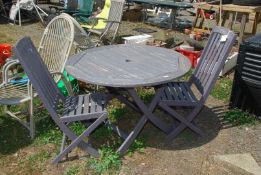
[
  {"x": 56, "y": 44},
  {"x": 212, "y": 60},
  {"x": 115, "y": 14},
  {"x": 38, "y": 74}
]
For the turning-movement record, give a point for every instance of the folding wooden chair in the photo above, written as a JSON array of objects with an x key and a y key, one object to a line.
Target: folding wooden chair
[
  {"x": 204, "y": 77},
  {"x": 88, "y": 107}
]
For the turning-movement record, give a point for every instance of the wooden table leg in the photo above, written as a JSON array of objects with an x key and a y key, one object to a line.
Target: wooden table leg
[
  {"x": 230, "y": 20},
  {"x": 173, "y": 18},
  {"x": 242, "y": 28},
  {"x": 224, "y": 18},
  {"x": 148, "y": 115},
  {"x": 257, "y": 15}
]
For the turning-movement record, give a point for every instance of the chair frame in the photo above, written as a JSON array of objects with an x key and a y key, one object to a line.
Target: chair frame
[
  {"x": 57, "y": 73},
  {"x": 180, "y": 94},
  {"x": 86, "y": 107},
  {"x": 113, "y": 21}
]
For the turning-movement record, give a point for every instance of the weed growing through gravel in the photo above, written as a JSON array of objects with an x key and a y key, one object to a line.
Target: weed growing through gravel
[
  {"x": 108, "y": 163},
  {"x": 238, "y": 117},
  {"x": 72, "y": 170},
  {"x": 137, "y": 146},
  {"x": 36, "y": 158}
]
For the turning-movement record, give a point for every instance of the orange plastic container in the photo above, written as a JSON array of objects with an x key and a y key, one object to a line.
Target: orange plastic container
[
  {"x": 5, "y": 52},
  {"x": 191, "y": 55}
]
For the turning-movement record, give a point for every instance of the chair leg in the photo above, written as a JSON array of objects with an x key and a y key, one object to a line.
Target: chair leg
[
  {"x": 31, "y": 119},
  {"x": 117, "y": 130},
  {"x": 5, "y": 109},
  {"x": 181, "y": 119},
  {"x": 78, "y": 140},
  {"x": 29, "y": 124},
  {"x": 184, "y": 122},
  {"x": 176, "y": 131},
  {"x": 63, "y": 145}
]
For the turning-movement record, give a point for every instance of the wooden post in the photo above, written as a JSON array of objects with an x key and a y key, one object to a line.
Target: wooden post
[
  {"x": 230, "y": 20},
  {"x": 242, "y": 28},
  {"x": 220, "y": 12},
  {"x": 256, "y": 20},
  {"x": 223, "y": 21}
]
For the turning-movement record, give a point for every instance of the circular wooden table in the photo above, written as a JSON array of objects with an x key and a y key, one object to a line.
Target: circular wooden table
[
  {"x": 128, "y": 65},
  {"x": 124, "y": 67}
]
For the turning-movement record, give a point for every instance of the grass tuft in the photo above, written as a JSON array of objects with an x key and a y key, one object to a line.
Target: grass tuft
[
  {"x": 222, "y": 89},
  {"x": 72, "y": 170},
  {"x": 238, "y": 117},
  {"x": 108, "y": 163},
  {"x": 137, "y": 146}
]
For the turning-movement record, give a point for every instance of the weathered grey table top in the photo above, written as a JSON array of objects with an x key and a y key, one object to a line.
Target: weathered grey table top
[{"x": 127, "y": 65}]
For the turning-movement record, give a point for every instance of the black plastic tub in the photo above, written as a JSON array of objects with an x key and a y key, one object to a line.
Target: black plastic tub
[{"x": 246, "y": 90}]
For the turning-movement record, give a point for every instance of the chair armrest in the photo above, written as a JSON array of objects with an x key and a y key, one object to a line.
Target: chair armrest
[
  {"x": 11, "y": 58},
  {"x": 94, "y": 21},
  {"x": 112, "y": 21},
  {"x": 66, "y": 82},
  {"x": 6, "y": 68}
]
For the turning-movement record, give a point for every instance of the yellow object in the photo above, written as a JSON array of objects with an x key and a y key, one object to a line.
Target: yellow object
[{"x": 104, "y": 15}]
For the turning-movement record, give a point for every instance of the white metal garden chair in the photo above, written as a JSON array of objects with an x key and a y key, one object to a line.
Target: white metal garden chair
[{"x": 54, "y": 49}]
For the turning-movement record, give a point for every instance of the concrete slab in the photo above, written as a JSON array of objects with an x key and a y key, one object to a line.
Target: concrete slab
[{"x": 239, "y": 163}]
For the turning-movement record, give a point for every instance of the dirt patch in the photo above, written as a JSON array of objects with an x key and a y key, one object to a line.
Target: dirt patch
[{"x": 190, "y": 154}]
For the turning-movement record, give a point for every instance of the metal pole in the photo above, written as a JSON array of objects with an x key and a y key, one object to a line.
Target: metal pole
[
  {"x": 19, "y": 13},
  {"x": 220, "y": 13}
]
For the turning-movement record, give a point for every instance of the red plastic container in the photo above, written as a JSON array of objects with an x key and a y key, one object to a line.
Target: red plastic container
[
  {"x": 5, "y": 52},
  {"x": 191, "y": 55}
]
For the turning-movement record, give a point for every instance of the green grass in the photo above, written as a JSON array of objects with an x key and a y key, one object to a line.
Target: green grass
[
  {"x": 13, "y": 136},
  {"x": 108, "y": 163},
  {"x": 146, "y": 94},
  {"x": 46, "y": 130},
  {"x": 6, "y": 39},
  {"x": 222, "y": 89},
  {"x": 72, "y": 170},
  {"x": 102, "y": 132},
  {"x": 238, "y": 117},
  {"x": 137, "y": 146},
  {"x": 40, "y": 157}
]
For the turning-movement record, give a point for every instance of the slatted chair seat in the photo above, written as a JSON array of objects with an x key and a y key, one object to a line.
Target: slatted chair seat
[
  {"x": 15, "y": 93},
  {"x": 85, "y": 104},
  {"x": 11, "y": 91},
  {"x": 179, "y": 94},
  {"x": 204, "y": 77}
]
